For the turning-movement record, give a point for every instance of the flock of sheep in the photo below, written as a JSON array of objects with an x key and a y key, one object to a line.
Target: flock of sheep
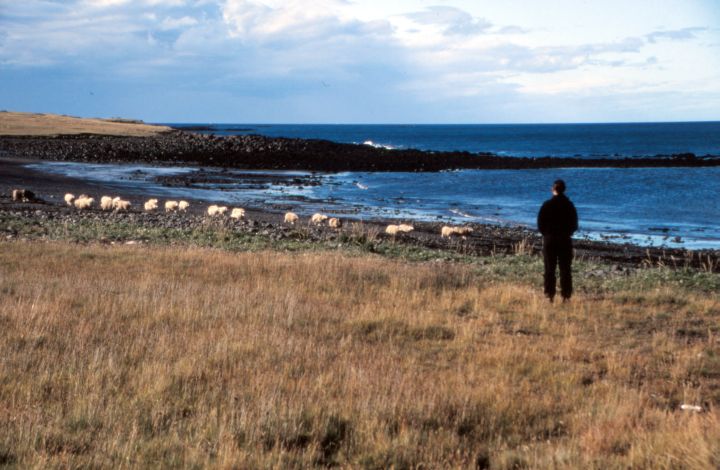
[{"x": 107, "y": 203}]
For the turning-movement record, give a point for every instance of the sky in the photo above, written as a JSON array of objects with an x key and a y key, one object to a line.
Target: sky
[{"x": 363, "y": 61}]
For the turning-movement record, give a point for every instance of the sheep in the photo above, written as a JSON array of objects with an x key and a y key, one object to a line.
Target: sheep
[
  {"x": 405, "y": 228},
  {"x": 24, "y": 195},
  {"x": 106, "y": 203},
  {"x": 114, "y": 201},
  {"x": 392, "y": 230},
  {"x": 318, "y": 218},
  {"x": 69, "y": 198},
  {"x": 291, "y": 218},
  {"x": 122, "y": 205},
  {"x": 183, "y": 205},
  {"x": 237, "y": 213},
  {"x": 447, "y": 232},
  {"x": 171, "y": 206},
  {"x": 216, "y": 210},
  {"x": 83, "y": 203},
  {"x": 335, "y": 222},
  {"x": 151, "y": 204}
]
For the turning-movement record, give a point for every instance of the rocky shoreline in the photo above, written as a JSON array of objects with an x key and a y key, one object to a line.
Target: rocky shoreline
[
  {"x": 486, "y": 240},
  {"x": 256, "y": 152},
  {"x": 265, "y": 153}
]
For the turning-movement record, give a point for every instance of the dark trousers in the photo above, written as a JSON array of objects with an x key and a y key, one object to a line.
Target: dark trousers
[{"x": 558, "y": 252}]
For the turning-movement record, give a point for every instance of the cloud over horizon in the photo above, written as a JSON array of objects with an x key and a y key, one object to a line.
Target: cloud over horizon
[{"x": 343, "y": 61}]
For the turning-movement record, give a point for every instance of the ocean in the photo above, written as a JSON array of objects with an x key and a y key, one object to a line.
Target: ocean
[
  {"x": 672, "y": 207},
  {"x": 519, "y": 140}
]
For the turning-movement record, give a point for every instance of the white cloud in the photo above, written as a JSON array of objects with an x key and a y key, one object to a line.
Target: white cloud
[
  {"x": 429, "y": 53},
  {"x": 177, "y": 23}
]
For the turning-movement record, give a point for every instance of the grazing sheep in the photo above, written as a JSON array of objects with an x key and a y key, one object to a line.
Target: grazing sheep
[
  {"x": 392, "y": 230},
  {"x": 122, "y": 205},
  {"x": 335, "y": 223},
  {"x": 151, "y": 204},
  {"x": 237, "y": 213},
  {"x": 405, "y": 228},
  {"x": 106, "y": 203},
  {"x": 216, "y": 210},
  {"x": 318, "y": 218},
  {"x": 83, "y": 203},
  {"x": 291, "y": 218},
  {"x": 171, "y": 206},
  {"x": 447, "y": 232},
  {"x": 24, "y": 195},
  {"x": 183, "y": 205},
  {"x": 69, "y": 198},
  {"x": 114, "y": 201}
]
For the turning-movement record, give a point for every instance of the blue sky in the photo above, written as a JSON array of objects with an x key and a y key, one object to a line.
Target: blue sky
[{"x": 374, "y": 61}]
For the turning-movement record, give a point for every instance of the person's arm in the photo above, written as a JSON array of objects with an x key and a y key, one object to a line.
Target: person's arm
[
  {"x": 542, "y": 218},
  {"x": 574, "y": 215}
]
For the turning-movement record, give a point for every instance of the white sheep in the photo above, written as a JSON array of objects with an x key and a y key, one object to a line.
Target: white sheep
[
  {"x": 237, "y": 213},
  {"x": 392, "y": 230},
  {"x": 69, "y": 198},
  {"x": 183, "y": 205},
  {"x": 216, "y": 210},
  {"x": 405, "y": 228},
  {"x": 122, "y": 205},
  {"x": 83, "y": 202},
  {"x": 291, "y": 218},
  {"x": 447, "y": 232},
  {"x": 151, "y": 204},
  {"x": 171, "y": 206},
  {"x": 115, "y": 200},
  {"x": 318, "y": 218},
  {"x": 335, "y": 222},
  {"x": 106, "y": 203}
]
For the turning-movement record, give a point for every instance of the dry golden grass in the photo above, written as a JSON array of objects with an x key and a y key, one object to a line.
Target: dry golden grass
[
  {"x": 161, "y": 357},
  {"x": 17, "y": 124}
]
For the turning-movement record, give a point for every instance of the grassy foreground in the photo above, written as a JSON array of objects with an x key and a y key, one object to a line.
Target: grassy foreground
[{"x": 134, "y": 356}]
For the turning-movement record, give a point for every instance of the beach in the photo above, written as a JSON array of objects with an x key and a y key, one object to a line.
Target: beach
[{"x": 22, "y": 156}]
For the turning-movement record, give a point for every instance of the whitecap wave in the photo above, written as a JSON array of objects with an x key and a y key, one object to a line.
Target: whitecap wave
[
  {"x": 378, "y": 146},
  {"x": 461, "y": 213}
]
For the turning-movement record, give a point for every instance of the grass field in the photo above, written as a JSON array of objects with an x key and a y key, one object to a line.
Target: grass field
[
  {"x": 135, "y": 356},
  {"x": 37, "y": 124}
]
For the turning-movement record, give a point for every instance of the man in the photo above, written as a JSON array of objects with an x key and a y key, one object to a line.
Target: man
[{"x": 557, "y": 221}]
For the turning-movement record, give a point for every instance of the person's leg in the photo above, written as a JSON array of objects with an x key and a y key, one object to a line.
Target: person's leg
[
  {"x": 565, "y": 256},
  {"x": 550, "y": 259}
]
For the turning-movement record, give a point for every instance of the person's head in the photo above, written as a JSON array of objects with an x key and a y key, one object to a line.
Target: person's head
[{"x": 558, "y": 187}]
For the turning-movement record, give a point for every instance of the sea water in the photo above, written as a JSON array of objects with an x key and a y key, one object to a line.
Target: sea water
[{"x": 673, "y": 207}]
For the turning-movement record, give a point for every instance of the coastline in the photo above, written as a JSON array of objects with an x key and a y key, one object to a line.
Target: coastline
[
  {"x": 267, "y": 223},
  {"x": 266, "y": 153}
]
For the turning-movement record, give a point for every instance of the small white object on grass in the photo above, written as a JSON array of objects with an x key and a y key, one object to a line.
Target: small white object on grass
[{"x": 695, "y": 408}]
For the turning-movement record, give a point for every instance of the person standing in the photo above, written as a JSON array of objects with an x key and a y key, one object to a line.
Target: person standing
[{"x": 557, "y": 221}]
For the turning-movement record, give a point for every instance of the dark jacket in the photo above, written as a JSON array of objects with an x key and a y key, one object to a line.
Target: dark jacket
[{"x": 557, "y": 217}]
